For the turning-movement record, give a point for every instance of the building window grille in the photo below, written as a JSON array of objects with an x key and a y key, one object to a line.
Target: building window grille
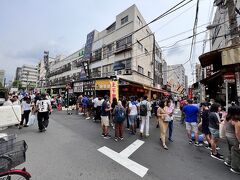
[{"x": 122, "y": 42}]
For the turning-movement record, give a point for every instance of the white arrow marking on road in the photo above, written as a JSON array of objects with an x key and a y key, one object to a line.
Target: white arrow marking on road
[{"x": 122, "y": 157}]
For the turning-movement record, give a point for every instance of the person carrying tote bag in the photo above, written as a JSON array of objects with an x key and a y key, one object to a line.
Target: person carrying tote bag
[{"x": 162, "y": 114}]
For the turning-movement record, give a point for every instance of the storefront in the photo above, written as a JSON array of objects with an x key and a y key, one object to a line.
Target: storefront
[{"x": 220, "y": 63}]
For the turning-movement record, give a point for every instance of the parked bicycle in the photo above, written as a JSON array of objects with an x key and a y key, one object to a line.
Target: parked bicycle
[{"x": 12, "y": 154}]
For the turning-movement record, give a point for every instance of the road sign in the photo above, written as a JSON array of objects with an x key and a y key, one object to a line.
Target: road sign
[{"x": 123, "y": 157}]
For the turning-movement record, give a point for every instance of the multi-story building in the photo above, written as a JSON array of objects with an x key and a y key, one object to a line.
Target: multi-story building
[
  {"x": 63, "y": 71},
  {"x": 2, "y": 76},
  {"x": 28, "y": 76},
  {"x": 176, "y": 78},
  {"x": 41, "y": 83},
  {"x": 123, "y": 52},
  {"x": 223, "y": 62},
  {"x": 18, "y": 73}
]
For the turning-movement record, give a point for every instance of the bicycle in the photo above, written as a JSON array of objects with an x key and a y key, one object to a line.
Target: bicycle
[{"x": 13, "y": 154}]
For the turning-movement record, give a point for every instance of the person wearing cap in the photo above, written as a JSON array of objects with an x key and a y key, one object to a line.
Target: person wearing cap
[
  {"x": 191, "y": 119},
  {"x": 105, "y": 110},
  {"x": 43, "y": 106}
]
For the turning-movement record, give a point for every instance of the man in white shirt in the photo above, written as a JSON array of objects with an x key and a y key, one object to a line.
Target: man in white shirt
[
  {"x": 44, "y": 106},
  {"x": 145, "y": 113}
]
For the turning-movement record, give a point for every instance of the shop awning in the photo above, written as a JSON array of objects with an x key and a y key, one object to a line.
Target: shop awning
[
  {"x": 215, "y": 57},
  {"x": 211, "y": 78}
]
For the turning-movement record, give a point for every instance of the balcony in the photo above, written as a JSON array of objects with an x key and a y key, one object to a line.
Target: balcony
[{"x": 125, "y": 47}]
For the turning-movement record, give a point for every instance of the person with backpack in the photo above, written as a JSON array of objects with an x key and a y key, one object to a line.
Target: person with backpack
[
  {"x": 133, "y": 113},
  {"x": 145, "y": 113},
  {"x": 119, "y": 117}
]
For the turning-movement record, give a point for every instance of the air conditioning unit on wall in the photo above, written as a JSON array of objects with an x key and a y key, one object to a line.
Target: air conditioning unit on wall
[{"x": 127, "y": 72}]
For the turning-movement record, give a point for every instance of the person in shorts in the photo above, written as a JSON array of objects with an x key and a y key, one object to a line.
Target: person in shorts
[
  {"x": 214, "y": 121},
  {"x": 205, "y": 123},
  {"x": 105, "y": 110},
  {"x": 133, "y": 113},
  {"x": 191, "y": 120}
]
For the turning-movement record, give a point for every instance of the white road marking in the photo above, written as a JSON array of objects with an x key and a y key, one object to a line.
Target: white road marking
[
  {"x": 122, "y": 157},
  {"x": 131, "y": 148}
]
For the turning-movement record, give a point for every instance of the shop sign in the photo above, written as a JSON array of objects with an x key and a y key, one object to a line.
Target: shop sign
[
  {"x": 89, "y": 87},
  {"x": 78, "y": 87},
  {"x": 229, "y": 76},
  {"x": 104, "y": 84},
  {"x": 114, "y": 92},
  {"x": 190, "y": 93}
]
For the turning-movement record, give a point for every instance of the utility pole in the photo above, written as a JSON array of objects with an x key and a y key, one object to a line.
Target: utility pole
[
  {"x": 46, "y": 64},
  {"x": 233, "y": 26},
  {"x": 234, "y": 33}
]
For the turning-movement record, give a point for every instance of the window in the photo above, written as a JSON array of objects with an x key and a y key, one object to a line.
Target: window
[
  {"x": 111, "y": 28},
  {"x": 96, "y": 72},
  {"x": 140, "y": 46},
  {"x": 124, "y": 20},
  {"x": 107, "y": 70},
  {"x": 149, "y": 74},
  {"x": 107, "y": 51},
  {"x": 140, "y": 70},
  {"x": 97, "y": 55},
  {"x": 125, "y": 41},
  {"x": 139, "y": 21}
]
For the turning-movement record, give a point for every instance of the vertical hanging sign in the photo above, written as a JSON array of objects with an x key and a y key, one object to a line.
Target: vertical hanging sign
[{"x": 114, "y": 93}]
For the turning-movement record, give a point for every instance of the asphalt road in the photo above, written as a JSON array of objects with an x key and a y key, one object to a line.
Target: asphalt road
[{"x": 68, "y": 151}]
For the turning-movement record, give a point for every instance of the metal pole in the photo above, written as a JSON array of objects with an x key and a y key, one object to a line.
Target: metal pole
[{"x": 226, "y": 95}]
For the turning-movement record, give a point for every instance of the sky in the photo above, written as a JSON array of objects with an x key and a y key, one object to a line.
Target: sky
[{"x": 28, "y": 27}]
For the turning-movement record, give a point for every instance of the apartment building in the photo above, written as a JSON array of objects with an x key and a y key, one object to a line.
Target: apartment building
[
  {"x": 176, "y": 78},
  {"x": 28, "y": 76},
  {"x": 123, "y": 52},
  {"x": 64, "y": 70}
]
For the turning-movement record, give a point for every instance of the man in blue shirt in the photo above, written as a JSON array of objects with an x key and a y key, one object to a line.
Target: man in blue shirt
[{"x": 191, "y": 119}]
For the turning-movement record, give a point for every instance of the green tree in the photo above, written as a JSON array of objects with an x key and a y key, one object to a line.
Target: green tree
[
  {"x": 17, "y": 84},
  {"x": 1, "y": 85}
]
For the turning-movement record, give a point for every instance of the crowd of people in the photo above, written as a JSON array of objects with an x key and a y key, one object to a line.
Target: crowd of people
[{"x": 205, "y": 123}]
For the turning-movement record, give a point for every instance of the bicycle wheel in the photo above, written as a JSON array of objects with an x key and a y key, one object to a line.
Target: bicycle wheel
[{"x": 14, "y": 176}]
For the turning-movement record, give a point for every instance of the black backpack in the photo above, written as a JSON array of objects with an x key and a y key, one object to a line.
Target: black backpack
[{"x": 143, "y": 109}]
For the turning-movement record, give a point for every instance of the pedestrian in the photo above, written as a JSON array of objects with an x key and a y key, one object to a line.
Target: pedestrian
[
  {"x": 99, "y": 107},
  {"x": 169, "y": 109},
  {"x": 232, "y": 126},
  {"x": 105, "y": 110},
  {"x": 191, "y": 120},
  {"x": 183, "y": 103},
  {"x": 95, "y": 104},
  {"x": 89, "y": 108},
  {"x": 84, "y": 104},
  {"x": 145, "y": 113},
  {"x": 205, "y": 123},
  {"x": 26, "y": 108},
  {"x": 214, "y": 121},
  {"x": 43, "y": 106},
  {"x": 114, "y": 103},
  {"x": 119, "y": 117},
  {"x": 133, "y": 113},
  {"x": 162, "y": 114}
]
